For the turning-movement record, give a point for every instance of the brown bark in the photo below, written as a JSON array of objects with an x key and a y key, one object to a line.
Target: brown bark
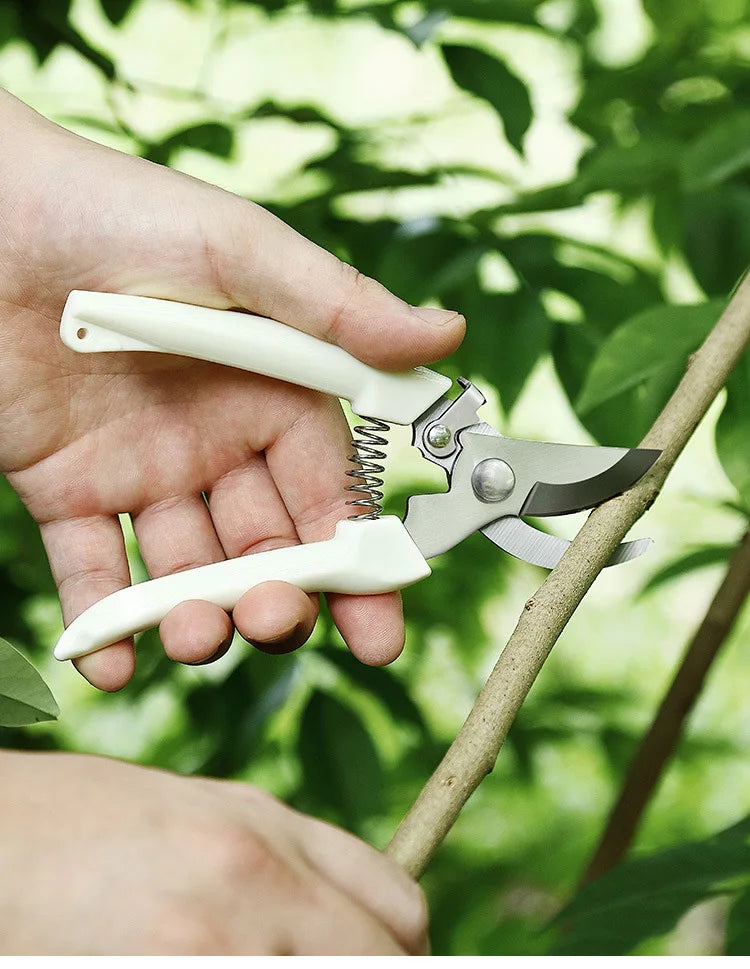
[{"x": 474, "y": 751}]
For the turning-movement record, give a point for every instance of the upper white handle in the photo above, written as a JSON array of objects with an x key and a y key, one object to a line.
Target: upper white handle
[
  {"x": 363, "y": 558},
  {"x": 103, "y": 322}
]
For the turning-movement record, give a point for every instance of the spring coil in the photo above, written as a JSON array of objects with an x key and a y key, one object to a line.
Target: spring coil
[{"x": 368, "y": 443}]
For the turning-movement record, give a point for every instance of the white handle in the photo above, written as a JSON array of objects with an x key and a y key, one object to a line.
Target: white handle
[
  {"x": 363, "y": 558},
  {"x": 104, "y": 322}
]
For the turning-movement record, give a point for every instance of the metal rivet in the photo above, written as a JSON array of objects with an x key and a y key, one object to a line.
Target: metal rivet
[
  {"x": 493, "y": 480},
  {"x": 439, "y": 436}
]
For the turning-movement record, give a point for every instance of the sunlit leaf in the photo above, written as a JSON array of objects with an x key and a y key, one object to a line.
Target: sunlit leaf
[
  {"x": 648, "y": 352},
  {"x": 488, "y": 77},
  {"x": 24, "y": 696}
]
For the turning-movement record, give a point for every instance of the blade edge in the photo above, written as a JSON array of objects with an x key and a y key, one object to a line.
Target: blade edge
[{"x": 546, "y": 499}]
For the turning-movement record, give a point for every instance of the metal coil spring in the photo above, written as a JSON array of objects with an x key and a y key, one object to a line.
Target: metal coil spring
[{"x": 368, "y": 443}]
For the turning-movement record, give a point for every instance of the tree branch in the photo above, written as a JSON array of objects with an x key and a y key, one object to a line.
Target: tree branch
[
  {"x": 661, "y": 739},
  {"x": 474, "y": 751}
]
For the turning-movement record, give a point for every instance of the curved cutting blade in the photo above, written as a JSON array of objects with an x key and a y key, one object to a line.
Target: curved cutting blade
[
  {"x": 528, "y": 543},
  {"x": 562, "y": 498}
]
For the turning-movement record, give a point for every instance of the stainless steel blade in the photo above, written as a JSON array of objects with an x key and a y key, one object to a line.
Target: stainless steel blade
[
  {"x": 572, "y": 477},
  {"x": 526, "y": 542},
  {"x": 556, "y": 494}
]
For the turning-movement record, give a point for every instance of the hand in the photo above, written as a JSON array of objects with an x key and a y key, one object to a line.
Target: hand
[
  {"x": 83, "y": 438},
  {"x": 105, "y": 858}
]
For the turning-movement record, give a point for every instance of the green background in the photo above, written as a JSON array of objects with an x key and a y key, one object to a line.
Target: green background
[{"x": 571, "y": 175}]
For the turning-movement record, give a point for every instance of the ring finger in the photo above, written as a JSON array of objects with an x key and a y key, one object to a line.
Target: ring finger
[{"x": 250, "y": 517}]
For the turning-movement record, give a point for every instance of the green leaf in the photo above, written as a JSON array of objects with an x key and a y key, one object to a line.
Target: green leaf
[
  {"x": 498, "y": 11},
  {"x": 424, "y": 265},
  {"x": 506, "y": 335},
  {"x": 24, "y": 696},
  {"x": 381, "y": 683},
  {"x": 628, "y": 170},
  {"x": 673, "y": 18},
  {"x": 342, "y": 769},
  {"x": 647, "y": 354},
  {"x": 733, "y": 430},
  {"x": 644, "y": 898},
  {"x": 487, "y": 77},
  {"x": 717, "y": 155},
  {"x": 738, "y": 927},
  {"x": 700, "y": 558},
  {"x": 716, "y": 228},
  {"x": 232, "y": 720},
  {"x": 46, "y": 25},
  {"x": 9, "y": 23},
  {"x": 116, "y": 10},
  {"x": 211, "y": 137}
]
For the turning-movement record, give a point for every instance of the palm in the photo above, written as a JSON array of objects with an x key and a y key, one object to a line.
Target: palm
[{"x": 145, "y": 428}]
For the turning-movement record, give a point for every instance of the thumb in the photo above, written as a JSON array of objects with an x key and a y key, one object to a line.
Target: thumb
[{"x": 263, "y": 265}]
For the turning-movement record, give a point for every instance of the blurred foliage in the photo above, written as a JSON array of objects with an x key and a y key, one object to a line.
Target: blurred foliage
[
  {"x": 645, "y": 897},
  {"x": 665, "y": 137}
]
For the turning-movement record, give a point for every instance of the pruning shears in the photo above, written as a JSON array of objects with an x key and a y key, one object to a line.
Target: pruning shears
[{"x": 493, "y": 481}]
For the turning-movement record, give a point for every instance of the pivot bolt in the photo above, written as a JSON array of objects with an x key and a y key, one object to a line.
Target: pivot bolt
[
  {"x": 492, "y": 480},
  {"x": 439, "y": 436}
]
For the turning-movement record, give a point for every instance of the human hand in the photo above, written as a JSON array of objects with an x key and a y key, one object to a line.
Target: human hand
[
  {"x": 84, "y": 438},
  {"x": 105, "y": 858}
]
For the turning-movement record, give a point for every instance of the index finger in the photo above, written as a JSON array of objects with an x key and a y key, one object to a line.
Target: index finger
[{"x": 266, "y": 267}]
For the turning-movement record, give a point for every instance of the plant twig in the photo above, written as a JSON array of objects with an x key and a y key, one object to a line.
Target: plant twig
[
  {"x": 661, "y": 739},
  {"x": 473, "y": 753}
]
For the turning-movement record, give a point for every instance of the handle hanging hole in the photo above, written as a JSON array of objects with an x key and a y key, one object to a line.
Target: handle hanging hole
[{"x": 82, "y": 333}]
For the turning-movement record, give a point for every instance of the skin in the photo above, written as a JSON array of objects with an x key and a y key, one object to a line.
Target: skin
[
  {"x": 128, "y": 859},
  {"x": 85, "y": 437},
  {"x": 132, "y": 861}
]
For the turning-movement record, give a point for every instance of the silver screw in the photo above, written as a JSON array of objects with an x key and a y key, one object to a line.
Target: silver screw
[
  {"x": 439, "y": 436},
  {"x": 492, "y": 480}
]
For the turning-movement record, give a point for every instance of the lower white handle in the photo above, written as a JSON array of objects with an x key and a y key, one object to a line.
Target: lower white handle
[{"x": 363, "y": 558}]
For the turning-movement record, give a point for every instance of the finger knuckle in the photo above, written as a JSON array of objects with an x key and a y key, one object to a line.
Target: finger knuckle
[
  {"x": 237, "y": 853},
  {"x": 183, "y": 926},
  {"x": 355, "y": 287}
]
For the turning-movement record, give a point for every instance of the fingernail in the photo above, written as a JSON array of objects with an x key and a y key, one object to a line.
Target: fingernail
[{"x": 435, "y": 315}]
